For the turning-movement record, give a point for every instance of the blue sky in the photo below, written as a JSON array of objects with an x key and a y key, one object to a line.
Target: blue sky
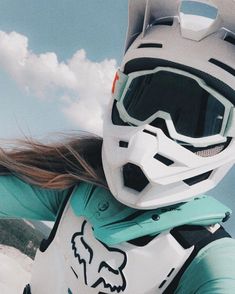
[
  {"x": 55, "y": 57},
  {"x": 62, "y": 27}
]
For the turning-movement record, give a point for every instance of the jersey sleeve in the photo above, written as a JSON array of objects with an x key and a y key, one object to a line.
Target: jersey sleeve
[
  {"x": 212, "y": 271},
  {"x": 22, "y": 200}
]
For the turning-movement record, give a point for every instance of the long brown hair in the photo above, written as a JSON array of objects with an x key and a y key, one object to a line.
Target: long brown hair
[{"x": 57, "y": 165}]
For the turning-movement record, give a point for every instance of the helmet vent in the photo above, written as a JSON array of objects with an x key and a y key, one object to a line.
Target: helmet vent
[
  {"x": 230, "y": 39},
  {"x": 150, "y": 45},
  {"x": 222, "y": 65},
  {"x": 134, "y": 178},
  {"x": 123, "y": 144},
  {"x": 211, "y": 151},
  {"x": 163, "y": 159},
  {"x": 150, "y": 133},
  {"x": 194, "y": 180},
  {"x": 207, "y": 151},
  {"x": 167, "y": 21}
]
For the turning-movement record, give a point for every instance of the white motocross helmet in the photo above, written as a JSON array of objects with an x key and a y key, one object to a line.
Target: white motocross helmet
[{"x": 169, "y": 134}]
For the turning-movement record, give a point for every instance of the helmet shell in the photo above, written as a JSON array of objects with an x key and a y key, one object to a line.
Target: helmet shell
[{"x": 165, "y": 171}]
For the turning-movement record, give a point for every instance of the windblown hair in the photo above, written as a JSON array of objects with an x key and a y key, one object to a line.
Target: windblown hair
[{"x": 55, "y": 165}]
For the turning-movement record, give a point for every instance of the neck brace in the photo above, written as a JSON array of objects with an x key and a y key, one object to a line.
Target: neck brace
[
  {"x": 114, "y": 223},
  {"x": 75, "y": 260}
]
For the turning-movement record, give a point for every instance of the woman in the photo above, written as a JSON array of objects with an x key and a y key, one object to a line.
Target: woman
[{"x": 168, "y": 137}]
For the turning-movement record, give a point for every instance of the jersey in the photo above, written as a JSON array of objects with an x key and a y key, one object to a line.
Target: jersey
[{"x": 211, "y": 271}]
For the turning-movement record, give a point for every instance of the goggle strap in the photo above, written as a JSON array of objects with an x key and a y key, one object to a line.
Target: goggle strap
[
  {"x": 230, "y": 128},
  {"x": 119, "y": 84}
]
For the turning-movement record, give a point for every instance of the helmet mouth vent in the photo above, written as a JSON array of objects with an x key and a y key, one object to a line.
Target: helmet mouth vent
[
  {"x": 208, "y": 151},
  {"x": 134, "y": 177},
  {"x": 163, "y": 159},
  {"x": 199, "y": 178}
]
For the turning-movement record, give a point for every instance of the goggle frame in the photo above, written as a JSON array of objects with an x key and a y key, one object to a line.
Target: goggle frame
[{"x": 122, "y": 83}]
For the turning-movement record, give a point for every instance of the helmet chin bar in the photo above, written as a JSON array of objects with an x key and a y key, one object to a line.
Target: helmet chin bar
[{"x": 151, "y": 170}]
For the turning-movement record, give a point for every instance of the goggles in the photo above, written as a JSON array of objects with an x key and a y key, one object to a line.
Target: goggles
[{"x": 194, "y": 113}]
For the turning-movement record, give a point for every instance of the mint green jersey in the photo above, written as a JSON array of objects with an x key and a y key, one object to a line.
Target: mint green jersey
[{"x": 211, "y": 272}]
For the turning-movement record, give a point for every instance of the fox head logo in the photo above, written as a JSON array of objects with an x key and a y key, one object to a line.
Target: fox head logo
[{"x": 102, "y": 265}]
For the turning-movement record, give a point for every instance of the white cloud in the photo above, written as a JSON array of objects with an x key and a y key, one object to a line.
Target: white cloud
[{"x": 80, "y": 85}]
